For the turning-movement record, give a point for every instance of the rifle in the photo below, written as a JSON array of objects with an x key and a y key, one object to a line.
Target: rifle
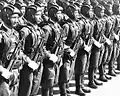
[
  {"x": 14, "y": 56},
  {"x": 89, "y": 44},
  {"x": 75, "y": 48},
  {"x": 59, "y": 52},
  {"x": 38, "y": 52},
  {"x": 90, "y": 39}
]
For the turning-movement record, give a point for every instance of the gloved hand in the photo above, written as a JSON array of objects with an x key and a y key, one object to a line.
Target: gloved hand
[
  {"x": 53, "y": 58},
  {"x": 117, "y": 37},
  {"x": 97, "y": 43},
  {"x": 87, "y": 48},
  {"x": 72, "y": 53},
  {"x": 6, "y": 73},
  {"x": 32, "y": 64},
  {"x": 108, "y": 42}
]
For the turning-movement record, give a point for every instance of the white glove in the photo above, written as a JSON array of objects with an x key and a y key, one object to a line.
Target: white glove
[
  {"x": 108, "y": 42},
  {"x": 97, "y": 43},
  {"x": 87, "y": 48},
  {"x": 33, "y": 65},
  {"x": 53, "y": 58},
  {"x": 72, "y": 53},
  {"x": 6, "y": 73},
  {"x": 117, "y": 37}
]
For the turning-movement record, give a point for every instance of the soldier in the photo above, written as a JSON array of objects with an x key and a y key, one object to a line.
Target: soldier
[
  {"x": 66, "y": 23},
  {"x": 115, "y": 10},
  {"x": 101, "y": 24},
  {"x": 53, "y": 31},
  {"x": 72, "y": 31},
  {"x": 31, "y": 75},
  {"x": 22, "y": 7},
  {"x": 34, "y": 16},
  {"x": 118, "y": 62},
  {"x": 91, "y": 69},
  {"x": 63, "y": 71},
  {"x": 81, "y": 62},
  {"x": 108, "y": 11},
  {"x": 10, "y": 16}
]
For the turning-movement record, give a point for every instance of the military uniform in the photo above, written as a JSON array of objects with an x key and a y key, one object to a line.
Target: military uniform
[
  {"x": 52, "y": 48},
  {"x": 82, "y": 56},
  {"x": 8, "y": 43},
  {"x": 71, "y": 30},
  {"x": 109, "y": 35},
  {"x": 116, "y": 34},
  {"x": 102, "y": 59},
  {"x": 118, "y": 56},
  {"x": 30, "y": 76}
]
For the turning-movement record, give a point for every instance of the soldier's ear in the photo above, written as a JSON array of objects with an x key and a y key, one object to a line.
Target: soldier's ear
[{"x": 33, "y": 16}]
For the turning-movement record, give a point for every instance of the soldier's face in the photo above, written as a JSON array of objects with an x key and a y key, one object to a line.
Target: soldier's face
[
  {"x": 59, "y": 16},
  {"x": 102, "y": 13},
  {"x": 110, "y": 10},
  {"x": 91, "y": 13},
  {"x": 14, "y": 20},
  {"x": 76, "y": 14},
  {"x": 38, "y": 17}
]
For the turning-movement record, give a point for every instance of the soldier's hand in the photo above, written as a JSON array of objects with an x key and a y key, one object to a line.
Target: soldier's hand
[
  {"x": 72, "y": 53},
  {"x": 53, "y": 58},
  {"x": 108, "y": 42},
  {"x": 33, "y": 65},
  {"x": 6, "y": 74}
]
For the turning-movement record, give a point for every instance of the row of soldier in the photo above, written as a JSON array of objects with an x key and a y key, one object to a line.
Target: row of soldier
[{"x": 43, "y": 43}]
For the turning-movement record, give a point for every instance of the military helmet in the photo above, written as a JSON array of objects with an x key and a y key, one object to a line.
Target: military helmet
[
  {"x": 41, "y": 3},
  {"x": 85, "y": 10},
  {"x": 98, "y": 9},
  {"x": 86, "y": 2},
  {"x": 19, "y": 5},
  {"x": 53, "y": 10},
  {"x": 115, "y": 9},
  {"x": 94, "y": 3},
  {"x": 79, "y": 4},
  {"x": 31, "y": 11},
  {"x": 108, "y": 9},
  {"x": 10, "y": 10},
  {"x": 7, "y": 12},
  {"x": 70, "y": 9}
]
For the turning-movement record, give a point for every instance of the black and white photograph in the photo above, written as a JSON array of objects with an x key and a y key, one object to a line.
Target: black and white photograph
[{"x": 59, "y": 47}]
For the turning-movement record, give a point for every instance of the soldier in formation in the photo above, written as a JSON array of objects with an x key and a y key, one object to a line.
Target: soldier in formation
[{"x": 45, "y": 42}]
